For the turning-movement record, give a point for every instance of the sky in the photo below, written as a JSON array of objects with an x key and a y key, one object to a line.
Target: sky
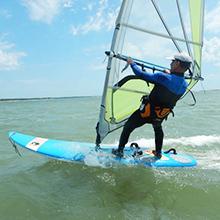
[{"x": 55, "y": 48}]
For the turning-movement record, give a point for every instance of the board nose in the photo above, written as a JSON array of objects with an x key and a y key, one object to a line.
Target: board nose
[{"x": 11, "y": 133}]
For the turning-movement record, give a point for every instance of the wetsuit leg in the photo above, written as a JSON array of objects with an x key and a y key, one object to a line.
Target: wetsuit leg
[
  {"x": 158, "y": 131},
  {"x": 134, "y": 121}
]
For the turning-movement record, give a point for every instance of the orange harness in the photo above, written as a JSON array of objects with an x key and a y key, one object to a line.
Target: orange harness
[
  {"x": 160, "y": 112},
  {"x": 149, "y": 110}
]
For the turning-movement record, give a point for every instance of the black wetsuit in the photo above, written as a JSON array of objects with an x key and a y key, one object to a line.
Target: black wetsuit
[{"x": 166, "y": 92}]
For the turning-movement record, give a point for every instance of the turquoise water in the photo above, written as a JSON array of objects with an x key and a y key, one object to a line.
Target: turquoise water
[{"x": 36, "y": 187}]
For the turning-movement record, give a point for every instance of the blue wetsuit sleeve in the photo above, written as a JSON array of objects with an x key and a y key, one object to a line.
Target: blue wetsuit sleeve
[
  {"x": 153, "y": 78},
  {"x": 174, "y": 83}
]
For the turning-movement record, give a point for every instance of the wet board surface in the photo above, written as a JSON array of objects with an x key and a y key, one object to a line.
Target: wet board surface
[{"x": 79, "y": 152}]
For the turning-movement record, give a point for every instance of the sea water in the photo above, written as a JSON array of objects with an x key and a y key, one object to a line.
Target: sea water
[{"x": 36, "y": 187}]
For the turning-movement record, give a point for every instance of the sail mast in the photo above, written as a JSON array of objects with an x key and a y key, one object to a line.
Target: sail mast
[{"x": 123, "y": 13}]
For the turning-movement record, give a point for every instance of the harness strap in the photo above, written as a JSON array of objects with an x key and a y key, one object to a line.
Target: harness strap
[
  {"x": 194, "y": 98},
  {"x": 149, "y": 109}
]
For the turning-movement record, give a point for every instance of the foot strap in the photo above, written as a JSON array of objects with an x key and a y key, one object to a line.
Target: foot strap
[
  {"x": 173, "y": 150},
  {"x": 136, "y": 149}
]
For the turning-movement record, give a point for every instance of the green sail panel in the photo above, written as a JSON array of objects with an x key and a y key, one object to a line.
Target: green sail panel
[
  {"x": 196, "y": 8},
  {"x": 121, "y": 102},
  {"x": 196, "y": 15}
]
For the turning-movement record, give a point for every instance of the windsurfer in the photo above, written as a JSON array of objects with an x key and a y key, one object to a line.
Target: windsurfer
[{"x": 168, "y": 89}]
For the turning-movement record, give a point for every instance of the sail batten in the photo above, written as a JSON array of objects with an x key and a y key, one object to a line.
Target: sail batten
[{"x": 161, "y": 34}]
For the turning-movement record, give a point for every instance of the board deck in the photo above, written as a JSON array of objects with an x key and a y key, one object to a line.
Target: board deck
[{"x": 80, "y": 151}]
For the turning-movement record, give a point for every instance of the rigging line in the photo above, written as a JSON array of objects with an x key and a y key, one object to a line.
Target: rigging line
[
  {"x": 183, "y": 28},
  {"x": 189, "y": 89},
  {"x": 193, "y": 97},
  {"x": 168, "y": 31},
  {"x": 15, "y": 146}
]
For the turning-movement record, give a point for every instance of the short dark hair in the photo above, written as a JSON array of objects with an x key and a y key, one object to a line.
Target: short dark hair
[{"x": 184, "y": 65}]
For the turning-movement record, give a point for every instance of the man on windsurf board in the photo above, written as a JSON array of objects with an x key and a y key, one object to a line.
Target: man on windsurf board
[{"x": 168, "y": 89}]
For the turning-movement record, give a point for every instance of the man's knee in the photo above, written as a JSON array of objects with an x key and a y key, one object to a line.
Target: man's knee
[{"x": 157, "y": 126}]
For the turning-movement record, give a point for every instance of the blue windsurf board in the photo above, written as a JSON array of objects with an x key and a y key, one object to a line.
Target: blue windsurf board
[{"x": 80, "y": 152}]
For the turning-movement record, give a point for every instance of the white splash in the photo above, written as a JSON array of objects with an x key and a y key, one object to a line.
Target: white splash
[
  {"x": 92, "y": 160},
  {"x": 194, "y": 141},
  {"x": 206, "y": 148}
]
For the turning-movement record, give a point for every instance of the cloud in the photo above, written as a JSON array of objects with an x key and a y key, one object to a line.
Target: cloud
[
  {"x": 89, "y": 7},
  {"x": 102, "y": 19},
  {"x": 67, "y": 3},
  {"x": 147, "y": 47},
  {"x": 211, "y": 48},
  {"x": 46, "y": 10},
  {"x": 9, "y": 59},
  {"x": 211, "y": 51},
  {"x": 131, "y": 49},
  {"x": 5, "y": 13},
  {"x": 212, "y": 19},
  {"x": 99, "y": 66}
]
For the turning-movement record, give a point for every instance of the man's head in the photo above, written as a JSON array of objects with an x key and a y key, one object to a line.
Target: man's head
[{"x": 181, "y": 62}]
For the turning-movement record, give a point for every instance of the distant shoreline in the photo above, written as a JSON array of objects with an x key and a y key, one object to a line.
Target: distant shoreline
[
  {"x": 72, "y": 97},
  {"x": 42, "y": 98}
]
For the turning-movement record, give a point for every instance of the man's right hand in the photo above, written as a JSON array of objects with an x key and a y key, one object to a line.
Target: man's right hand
[{"x": 129, "y": 60}]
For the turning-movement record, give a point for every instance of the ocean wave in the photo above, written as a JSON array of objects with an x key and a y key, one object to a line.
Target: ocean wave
[
  {"x": 194, "y": 141},
  {"x": 205, "y": 148}
]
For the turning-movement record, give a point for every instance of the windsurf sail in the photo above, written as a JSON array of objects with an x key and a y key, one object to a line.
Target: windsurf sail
[{"x": 148, "y": 31}]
